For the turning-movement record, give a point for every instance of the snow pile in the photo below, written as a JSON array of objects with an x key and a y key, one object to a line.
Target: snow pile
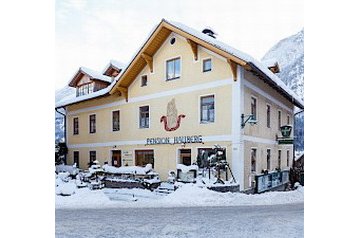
[
  {"x": 66, "y": 189},
  {"x": 127, "y": 169},
  {"x": 187, "y": 195},
  {"x": 186, "y": 169},
  {"x": 72, "y": 170},
  {"x": 84, "y": 198}
]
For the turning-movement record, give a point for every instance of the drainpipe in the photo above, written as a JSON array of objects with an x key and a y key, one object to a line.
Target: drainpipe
[{"x": 65, "y": 129}]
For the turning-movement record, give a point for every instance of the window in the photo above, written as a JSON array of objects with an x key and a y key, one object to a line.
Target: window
[
  {"x": 90, "y": 88},
  {"x": 268, "y": 159},
  {"x": 76, "y": 158},
  {"x": 75, "y": 126},
  {"x": 253, "y": 108},
  {"x": 92, "y": 156},
  {"x": 173, "y": 69},
  {"x": 144, "y": 157},
  {"x": 115, "y": 120},
  {"x": 279, "y": 159},
  {"x": 92, "y": 123},
  {"x": 203, "y": 155},
  {"x": 253, "y": 160},
  {"x": 172, "y": 41},
  {"x": 185, "y": 156},
  {"x": 144, "y": 117},
  {"x": 288, "y": 120},
  {"x": 206, "y": 65},
  {"x": 279, "y": 119},
  {"x": 288, "y": 158},
  {"x": 268, "y": 115},
  {"x": 207, "y": 109},
  {"x": 85, "y": 89},
  {"x": 144, "y": 81}
]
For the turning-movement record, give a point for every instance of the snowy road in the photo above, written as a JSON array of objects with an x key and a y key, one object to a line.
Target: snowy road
[{"x": 239, "y": 221}]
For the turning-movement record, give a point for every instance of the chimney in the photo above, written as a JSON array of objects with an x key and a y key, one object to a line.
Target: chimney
[{"x": 210, "y": 32}]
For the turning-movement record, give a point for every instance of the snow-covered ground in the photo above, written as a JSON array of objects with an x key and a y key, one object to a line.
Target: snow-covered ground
[
  {"x": 189, "y": 195},
  {"x": 200, "y": 222}
]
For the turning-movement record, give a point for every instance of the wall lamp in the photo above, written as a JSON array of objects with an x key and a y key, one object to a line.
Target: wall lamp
[{"x": 249, "y": 118}]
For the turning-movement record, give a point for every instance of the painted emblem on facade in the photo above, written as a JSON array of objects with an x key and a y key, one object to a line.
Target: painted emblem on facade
[{"x": 171, "y": 120}]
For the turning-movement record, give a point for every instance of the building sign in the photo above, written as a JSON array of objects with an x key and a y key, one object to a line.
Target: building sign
[
  {"x": 175, "y": 140},
  {"x": 127, "y": 157},
  {"x": 286, "y": 131},
  {"x": 171, "y": 120},
  {"x": 286, "y": 138}
]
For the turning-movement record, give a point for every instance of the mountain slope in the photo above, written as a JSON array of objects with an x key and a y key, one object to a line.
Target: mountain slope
[
  {"x": 61, "y": 94},
  {"x": 289, "y": 53}
]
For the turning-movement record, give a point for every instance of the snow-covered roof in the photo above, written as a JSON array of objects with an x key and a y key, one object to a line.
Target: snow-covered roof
[
  {"x": 72, "y": 100},
  {"x": 95, "y": 75},
  {"x": 257, "y": 65},
  {"x": 114, "y": 63},
  {"x": 85, "y": 97},
  {"x": 239, "y": 54},
  {"x": 117, "y": 64}
]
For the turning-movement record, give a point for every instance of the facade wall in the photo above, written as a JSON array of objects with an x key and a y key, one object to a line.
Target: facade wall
[
  {"x": 187, "y": 90},
  {"x": 260, "y": 136}
]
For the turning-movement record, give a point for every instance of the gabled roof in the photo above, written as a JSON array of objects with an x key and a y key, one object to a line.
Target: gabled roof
[
  {"x": 156, "y": 38},
  {"x": 90, "y": 73},
  {"x": 194, "y": 38}
]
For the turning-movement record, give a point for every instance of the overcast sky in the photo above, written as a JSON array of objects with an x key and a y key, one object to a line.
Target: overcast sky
[{"x": 90, "y": 33}]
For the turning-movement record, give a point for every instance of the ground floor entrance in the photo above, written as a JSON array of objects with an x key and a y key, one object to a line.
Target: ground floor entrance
[
  {"x": 116, "y": 158},
  {"x": 185, "y": 156}
]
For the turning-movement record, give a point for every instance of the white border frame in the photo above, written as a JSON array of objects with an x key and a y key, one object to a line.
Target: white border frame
[
  {"x": 202, "y": 64},
  {"x": 269, "y": 148},
  {"x": 199, "y": 108},
  {"x": 139, "y": 106},
  {"x": 268, "y": 104},
  {"x": 89, "y": 123},
  {"x": 142, "y": 148},
  {"x": 165, "y": 68},
  {"x": 184, "y": 148},
  {"x": 251, "y": 173},
  {"x": 279, "y": 122},
  {"x": 73, "y": 126},
  {"x": 111, "y": 120},
  {"x": 111, "y": 154},
  {"x": 257, "y": 106}
]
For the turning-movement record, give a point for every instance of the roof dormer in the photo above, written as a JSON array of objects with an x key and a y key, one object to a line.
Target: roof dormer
[
  {"x": 87, "y": 81},
  {"x": 113, "y": 68}
]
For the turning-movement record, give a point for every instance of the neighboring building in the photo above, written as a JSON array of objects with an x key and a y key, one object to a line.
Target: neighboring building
[{"x": 183, "y": 92}]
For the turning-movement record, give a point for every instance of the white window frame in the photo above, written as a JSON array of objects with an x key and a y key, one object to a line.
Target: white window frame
[
  {"x": 138, "y": 116},
  {"x": 268, "y": 104},
  {"x": 199, "y": 108},
  {"x": 270, "y": 159},
  {"x": 165, "y": 68},
  {"x": 140, "y": 80},
  {"x": 279, "y": 122},
  {"x": 202, "y": 64},
  {"x": 257, "y": 104},
  {"x": 253, "y": 172},
  {"x": 89, "y": 123},
  {"x": 111, "y": 120}
]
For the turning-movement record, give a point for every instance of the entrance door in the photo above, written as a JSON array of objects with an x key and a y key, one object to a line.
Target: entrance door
[
  {"x": 185, "y": 156},
  {"x": 116, "y": 158}
]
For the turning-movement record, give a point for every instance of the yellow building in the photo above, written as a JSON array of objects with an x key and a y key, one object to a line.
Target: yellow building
[{"x": 183, "y": 92}]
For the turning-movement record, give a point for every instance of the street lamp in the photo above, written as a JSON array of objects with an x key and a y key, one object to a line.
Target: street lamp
[{"x": 249, "y": 118}]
